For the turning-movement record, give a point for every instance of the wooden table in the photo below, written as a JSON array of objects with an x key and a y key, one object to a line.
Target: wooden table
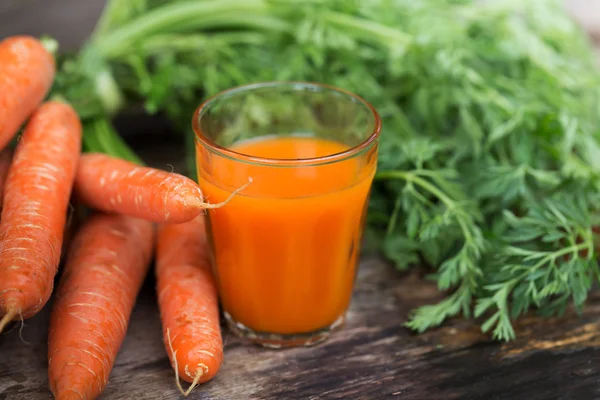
[{"x": 372, "y": 357}]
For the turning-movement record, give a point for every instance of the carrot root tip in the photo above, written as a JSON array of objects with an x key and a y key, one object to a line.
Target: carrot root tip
[
  {"x": 8, "y": 317},
  {"x": 228, "y": 199},
  {"x": 199, "y": 372},
  {"x": 21, "y": 331}
]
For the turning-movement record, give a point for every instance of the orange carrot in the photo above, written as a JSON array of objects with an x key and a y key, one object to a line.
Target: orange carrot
[
  {"x": 36, "y": 197},
  {"x": 5, "y": 160},
  {"x": 188, "y": 302},
  {"x": 114, "y": 185},
  {"x": 26, "y": 73},
  {"x": 105, "y": 268}
]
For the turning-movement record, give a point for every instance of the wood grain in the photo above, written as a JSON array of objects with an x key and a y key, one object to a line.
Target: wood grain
[{"x": 372, "y": 357}]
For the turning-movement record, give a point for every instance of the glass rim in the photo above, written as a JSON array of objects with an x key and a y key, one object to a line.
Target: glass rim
[{"x": 327, "y": 159}]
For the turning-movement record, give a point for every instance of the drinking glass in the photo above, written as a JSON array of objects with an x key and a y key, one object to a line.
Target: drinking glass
[{"x": 285, "y": 249}]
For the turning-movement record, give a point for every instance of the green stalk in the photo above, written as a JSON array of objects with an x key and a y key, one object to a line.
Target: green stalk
[
  {"x": 105, "y": 18},
  {"x": 235, "y": 19},
  {"x": 182, "y": 43},
  {"x": 367, "y": 30},
  {"x": 100, "y": 136},
  {"x": 412, "y": 177},
  {"x": 169, "y": 17},
  {"x": 50, "y": 44},
  {"x": 109, "y": 92}
]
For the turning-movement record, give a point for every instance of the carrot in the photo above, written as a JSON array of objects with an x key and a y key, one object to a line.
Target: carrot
[
  {"x": 26, "y": 73},
  {"x": 188, "y": 302},
  {"x": 5, "y": 160},
  {"x": 36, "y": 197},
  {"x": 104, "y": 271},
  {"x": 113, "y": 185}
]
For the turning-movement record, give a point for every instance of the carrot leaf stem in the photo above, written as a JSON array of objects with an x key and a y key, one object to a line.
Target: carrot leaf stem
[
  {"x": 100, "y": 136},
  {"x": 50, "y": 44}
]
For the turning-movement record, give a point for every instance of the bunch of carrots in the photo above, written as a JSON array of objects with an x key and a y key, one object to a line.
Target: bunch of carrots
[{"x": 139, "y": 212}]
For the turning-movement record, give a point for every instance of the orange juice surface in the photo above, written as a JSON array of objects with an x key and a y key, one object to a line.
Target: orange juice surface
[{"x": 285, "y": 251}]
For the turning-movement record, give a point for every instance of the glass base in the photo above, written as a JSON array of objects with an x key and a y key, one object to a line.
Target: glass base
[{"x": 279, "y": 341}]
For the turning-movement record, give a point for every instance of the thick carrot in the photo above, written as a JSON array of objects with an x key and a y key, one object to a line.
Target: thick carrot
[
  {"x": 36, "y": 197},
  {"x": 5, "y": 160},
  {"x": 188, "y": 302},
  {"x": 26, "y": 73},
  {"x": 105, "y": 268},
  {"x": 113, "y": 185}
]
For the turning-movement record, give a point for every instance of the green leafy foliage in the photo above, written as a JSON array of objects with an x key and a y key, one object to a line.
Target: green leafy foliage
[
  {"x": 490, "y": 154},
  {"x": 548, "y": 257}
]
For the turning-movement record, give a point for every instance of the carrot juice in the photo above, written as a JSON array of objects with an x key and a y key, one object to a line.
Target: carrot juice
[{"x": 285, "y": 249}]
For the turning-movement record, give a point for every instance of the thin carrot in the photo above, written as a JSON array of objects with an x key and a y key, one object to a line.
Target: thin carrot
[
  {"x": 104, "y": 271},
  {"x": 5, "y": 160},
  {"x": 188, "y": 302},
  {"x": 36, "y": 197},
  {"x": 26, "y": 73},
  {"x": 113, "y": 185}
]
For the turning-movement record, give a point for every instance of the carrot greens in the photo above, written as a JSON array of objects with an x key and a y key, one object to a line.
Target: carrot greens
[{"x": 490, "y": 151}]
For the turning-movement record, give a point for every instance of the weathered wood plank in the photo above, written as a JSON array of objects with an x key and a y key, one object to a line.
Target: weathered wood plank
[{"x": 372, "y": 357}]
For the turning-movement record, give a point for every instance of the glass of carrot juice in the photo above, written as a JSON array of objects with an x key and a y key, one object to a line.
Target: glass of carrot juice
[{"x": 285, "y": 249}]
